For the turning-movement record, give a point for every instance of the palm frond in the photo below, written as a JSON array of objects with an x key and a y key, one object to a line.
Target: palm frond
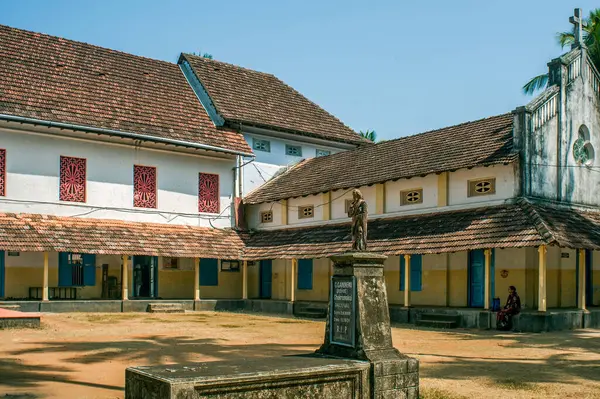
[
  {"x": 565, "y": 38},
  {"x": 537, "y": 83}
]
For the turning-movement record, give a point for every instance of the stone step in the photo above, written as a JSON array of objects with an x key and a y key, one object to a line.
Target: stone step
[
  {"x": 311, "y": 313},
  {"x": 437, "y": 323},
  {"x": 165, "y": 308},
  {"x": 439, "y": 317}
]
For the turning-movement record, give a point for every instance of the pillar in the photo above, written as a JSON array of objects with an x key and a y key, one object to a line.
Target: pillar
[
  {"x": 196, "y": 279},
  {"x": 293, "y": 280},
  {"x": 124, "y": 283},
  {"x": 443, "y": 189},
  {"x": 406, "y": 280},
  {"x": 284, "y": 212},
  {"x": 45, "y": 281},
  {"x": 488, "y": 279},
  {"x": 245, "y": 279},
  {"x": 581, "y": 280},
  {"x": 380, "y": 199},
  {"x": 542, "y": 279}
]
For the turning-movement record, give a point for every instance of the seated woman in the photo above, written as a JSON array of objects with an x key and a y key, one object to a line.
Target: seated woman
[{"x": 512, "y": 307}]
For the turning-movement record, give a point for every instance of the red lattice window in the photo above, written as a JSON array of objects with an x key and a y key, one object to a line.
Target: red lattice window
[
  {"x": 72, "y": 179},
  {"x": 144, "y": 186},
  {"x": 208, "y": 193},
  {"x": 2, "y": 173}
]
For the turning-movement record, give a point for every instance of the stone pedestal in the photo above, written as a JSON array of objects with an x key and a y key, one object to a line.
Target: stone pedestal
[{"x": 359, "y": 327}]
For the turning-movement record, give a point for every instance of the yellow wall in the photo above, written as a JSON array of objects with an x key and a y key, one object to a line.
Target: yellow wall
[
  {"x": 320, "y": 288},
  {"x": 596, "y": 277},
  {"x": 514, "y": 261},
  {"x": 457, "y": 269},
  {"x": 253, "y": 280},
  {"x": 230, "y": 286}
]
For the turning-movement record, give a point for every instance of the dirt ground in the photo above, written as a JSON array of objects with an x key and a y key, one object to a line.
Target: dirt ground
[{"x": 84, "y": 355}]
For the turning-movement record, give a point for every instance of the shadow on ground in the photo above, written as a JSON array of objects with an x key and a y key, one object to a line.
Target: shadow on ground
[{"x": 152, "y": 349}]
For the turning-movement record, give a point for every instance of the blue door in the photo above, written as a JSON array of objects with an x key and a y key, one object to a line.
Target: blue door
[
  {"x": 2, "y": 274},
  {"x": 476, "y": 278},
  {"x": 266, "y": 268}
]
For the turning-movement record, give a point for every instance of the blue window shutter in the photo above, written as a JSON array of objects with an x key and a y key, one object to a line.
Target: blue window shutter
[
  {"x": 416, "y": 272},
  {"x": 209, "y": 271},
  {"x": 89, "y": 269},
  {"x": 65, "y": 273},
  {"x": 401, "y": 272},
  {"x": 305, "y": 274}
]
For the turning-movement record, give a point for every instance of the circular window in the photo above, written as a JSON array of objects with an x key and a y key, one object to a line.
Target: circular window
[
  {"x": 583, "y": 151},
  {"x": 413, "y": 196}
]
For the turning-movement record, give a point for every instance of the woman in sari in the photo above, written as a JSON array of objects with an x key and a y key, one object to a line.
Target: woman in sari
[{"x": 512, "y": 308}]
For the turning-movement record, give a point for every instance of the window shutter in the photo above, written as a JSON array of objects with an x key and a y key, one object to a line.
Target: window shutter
[
  {"x": 208, "y": 193},
  {"x": 416, "y": 272},
  {"x": 401, "y": 272},
  {"x": 89, "y": 269},
  {"x": 65, "y": 273},
  {"x": 305, "y": 274},
  {"x": 209, "y": 271}
]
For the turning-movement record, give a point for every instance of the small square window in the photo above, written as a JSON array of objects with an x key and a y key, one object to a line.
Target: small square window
[
  {"x": 306, "y": 212},
  {"x": 230, "y": 265},
  {"x": 261, "y": 145},
  {"x": 266, "y": 217},
  {"x": 170, "y": 263},
  {"x": 482, "y": 187},
  {"x": 293, "y": 150},
  {"x": 411, "y": 197},
  {"x": 323, "y": 153}
]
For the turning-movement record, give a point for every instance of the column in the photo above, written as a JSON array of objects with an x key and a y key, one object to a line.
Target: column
[
  {"x": 293, "y": 280},
  {"x": 45, "y": 281},
  {"x": 245, "y": 279},
  {"x": 380, "y": 199},
  {"x": 326, "y": 198},
  {"x": 406, "y": 280},
  {"x": 124, "y": 283},
  {"x": 196, "y": 279},
  {"x": 581, "y": 281},
  {"x": 488, "y": 279},
  {"x": 443, "y": 189},
  {"x": 542, "y": 277}
]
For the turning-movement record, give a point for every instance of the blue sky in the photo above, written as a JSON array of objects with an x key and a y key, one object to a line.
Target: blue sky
[{"x": 398, "y": 67}]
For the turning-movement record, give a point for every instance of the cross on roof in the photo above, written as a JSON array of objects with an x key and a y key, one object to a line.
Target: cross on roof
[{"x": 579, "y": 23}]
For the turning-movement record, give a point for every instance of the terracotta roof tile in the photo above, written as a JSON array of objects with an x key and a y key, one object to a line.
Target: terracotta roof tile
[
  {"x": 58, "y": 80},
  {"x": 32, "y": 232},
  {"x": 261, "y": 99},
  {"x": 484, "y": 142},
  {"x": 492, "y": 227}
]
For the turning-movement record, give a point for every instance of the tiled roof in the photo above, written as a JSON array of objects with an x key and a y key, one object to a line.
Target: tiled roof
[
  {"x": 58, "y": 80},
  {"x": 250, "y": 97},
  {"x": 484, "y": 142},
  {"x": 29, "y": 232},
  {"x": 503, "y": 226},
  {"x": 564, "y": 226}
]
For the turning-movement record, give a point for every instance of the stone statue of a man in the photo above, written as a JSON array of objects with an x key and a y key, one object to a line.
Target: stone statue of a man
[{"x": 358, "y": 212}]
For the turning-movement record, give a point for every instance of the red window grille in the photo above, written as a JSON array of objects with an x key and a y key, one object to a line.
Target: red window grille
[
  {"x": 208, "y": 193},
  {"x": 2, "y": 173},
  {"x": 72, "y": 179},
  {"x": 144, "y": 186}
]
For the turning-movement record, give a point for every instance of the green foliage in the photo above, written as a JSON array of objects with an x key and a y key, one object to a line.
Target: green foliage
[
  {"x": 204, "y": 55},
  {"x": 591, "y": 39},
  {"x": 369, "y": 135}
]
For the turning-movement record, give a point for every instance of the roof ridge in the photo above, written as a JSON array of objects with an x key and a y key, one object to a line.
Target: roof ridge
[
  {"x": 211, "y": 60},
  {"x": 538, "y": 221},
  {"x": 84, "y": 43}
]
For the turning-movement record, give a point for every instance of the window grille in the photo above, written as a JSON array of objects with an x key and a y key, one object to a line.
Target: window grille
[
  {"x": 306, "y": 212},
  {"x": 72, "y": 179},
  {"x": 208, "y": 193},
  {"x": 411, "y": 197},
  {"x": 293, "y": 150},
  {"x": 482, "y": 187},
  {"x": 144, "y": 186}
]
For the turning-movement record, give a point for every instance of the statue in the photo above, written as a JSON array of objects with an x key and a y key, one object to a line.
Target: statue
[{"x": 358, "y": 212}]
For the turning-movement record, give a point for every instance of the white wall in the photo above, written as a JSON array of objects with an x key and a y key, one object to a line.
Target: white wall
[
  {"x": 429, "y": 184},
  {"x": 33, "y": 180},
  {"x": 506, "y": 184},
  {"x": 267, "y": 164},
  {"x": 506, "y": 188}
]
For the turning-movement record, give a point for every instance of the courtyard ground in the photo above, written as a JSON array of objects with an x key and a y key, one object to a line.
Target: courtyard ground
[{"x": 84, "y": 355}]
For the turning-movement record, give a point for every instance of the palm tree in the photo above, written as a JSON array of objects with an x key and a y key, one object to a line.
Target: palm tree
[
  {"x": 369, "y": 135},
  {"x": 591, "y": 38}
]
